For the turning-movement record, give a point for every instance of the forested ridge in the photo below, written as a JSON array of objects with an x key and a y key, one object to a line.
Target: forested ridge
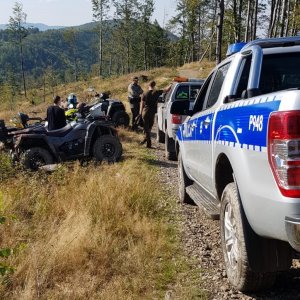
[
  {"x": 129, "y": 41},
  {"x": 70, "y": 54}
]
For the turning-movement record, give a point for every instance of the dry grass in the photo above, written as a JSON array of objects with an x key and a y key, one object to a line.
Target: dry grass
[{"x": 92, "y": 233}]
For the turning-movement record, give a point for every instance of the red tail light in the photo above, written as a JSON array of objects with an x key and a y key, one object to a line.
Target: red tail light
[
  {"x": 176, "y": 119},
  {"x": 284, "y": 151}
]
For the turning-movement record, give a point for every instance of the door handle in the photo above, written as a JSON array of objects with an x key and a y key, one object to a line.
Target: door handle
[{"x": 207, "y": 121}]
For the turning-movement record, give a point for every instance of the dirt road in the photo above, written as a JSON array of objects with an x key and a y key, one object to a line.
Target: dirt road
[{"x": 201, "y": 240}]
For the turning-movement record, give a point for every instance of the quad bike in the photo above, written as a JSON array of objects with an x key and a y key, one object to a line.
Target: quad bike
[
  {"x": 35, "y": 146},
  {"x": 103, "y": 109},
  {"x": 20, "y": 121}
]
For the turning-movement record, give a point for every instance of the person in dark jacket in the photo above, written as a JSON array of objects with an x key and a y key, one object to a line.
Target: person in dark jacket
[
  {"x": 148, "y": 111},
  {"x": 56, "y": 115},
  {"x": 134, "y": 97}
]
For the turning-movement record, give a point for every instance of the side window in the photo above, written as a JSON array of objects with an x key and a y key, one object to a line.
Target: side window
[
  {"x": 201, "y": 96},
  {"x": 182, "y": 92},
  {"x": 194, "y": 92},
  {"x": 217, "y": 85},
  {"x": 243, "y": 81}
]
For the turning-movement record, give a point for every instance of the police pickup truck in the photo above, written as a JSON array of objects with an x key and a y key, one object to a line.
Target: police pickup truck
[
  {"x": 239, "y": 158},
  {"x": 184, "y": 89}
]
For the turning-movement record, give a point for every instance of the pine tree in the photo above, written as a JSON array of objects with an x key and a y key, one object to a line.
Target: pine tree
[
  {"x": 127, "y": 15},
  {"x": 19, "y": 32},
  {"x": 100, "y": 9}
]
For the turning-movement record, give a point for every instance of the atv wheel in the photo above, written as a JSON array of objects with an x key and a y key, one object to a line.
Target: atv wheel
[
  {"x": 107, "y": 148},
  {"x": 33, "y": 158},
  {"x": 121, "y": 118}
]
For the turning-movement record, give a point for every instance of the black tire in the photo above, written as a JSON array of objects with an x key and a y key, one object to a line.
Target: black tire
[
  {"x": 121, "y": 118},
  {"x": 234, "y": 226},
  {"x": 107, "y": 148},
  {"x": 33, "y": 158},
  {"x": 170, "y": 155},
  {"x": 160, "y": 135},
  {"x": 183, "y": 183}
]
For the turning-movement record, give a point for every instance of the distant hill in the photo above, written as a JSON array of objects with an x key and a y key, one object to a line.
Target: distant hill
[
  {"x": 39, "y": 26},
  {"x": 60, "y": 53}
]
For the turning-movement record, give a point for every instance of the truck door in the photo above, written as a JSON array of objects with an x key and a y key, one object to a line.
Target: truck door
[
  {"x": 202, "y": 151},
  {"x": 161, "y": 109},
  {"x": 190, "y": 132}
]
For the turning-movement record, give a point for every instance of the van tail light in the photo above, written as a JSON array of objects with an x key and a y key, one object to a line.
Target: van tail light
[
  {"x": 176, "y": 119},
  {"x": 284, "y": 151}
]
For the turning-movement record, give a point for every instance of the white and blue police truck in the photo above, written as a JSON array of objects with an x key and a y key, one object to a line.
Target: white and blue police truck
[{"x": 239, "y": 157}]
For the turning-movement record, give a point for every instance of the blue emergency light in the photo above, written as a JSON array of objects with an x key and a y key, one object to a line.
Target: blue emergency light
[{"x": 234, "y": 48}]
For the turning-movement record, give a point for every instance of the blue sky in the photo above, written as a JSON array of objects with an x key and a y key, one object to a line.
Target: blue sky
[{"x": 71, "y": 12}]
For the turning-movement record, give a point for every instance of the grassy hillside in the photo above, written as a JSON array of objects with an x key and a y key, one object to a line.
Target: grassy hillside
[{"x": 105, "y": 232}]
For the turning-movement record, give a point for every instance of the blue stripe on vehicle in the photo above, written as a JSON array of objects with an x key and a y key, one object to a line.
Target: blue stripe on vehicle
[{"x": 241, "y": 124}]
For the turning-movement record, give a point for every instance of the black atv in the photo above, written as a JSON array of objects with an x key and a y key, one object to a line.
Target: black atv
[
  {"x": 35, "y": 146},
  {"x": 20, "y": 122},
  {"x": 103, "y": 108}
]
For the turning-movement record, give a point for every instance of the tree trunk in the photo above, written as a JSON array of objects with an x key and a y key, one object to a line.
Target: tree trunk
[
  {"x": 220, "y": 31},
  {"x": 213, "y": 28},
  {"x": 101, "y": 46},
  {"x": 22, "y": 67},
  {"x": 248, "y": 21},
  {"x": 235, "y": 21},
  {"x": 44, "y": 89},
  {"x": 293, "y": 29},
  {"x": 275, "y": 19},
  {"x": 145, "y": 55},
  {"x": 255, "y": 20},
  {"x": 287, "y": 23},
  {"x": 199, "y": 34},
  {"x": 207, "y": 48},
  {"x": 240, "y": 20},
  {"x": 283, "y": 18}
]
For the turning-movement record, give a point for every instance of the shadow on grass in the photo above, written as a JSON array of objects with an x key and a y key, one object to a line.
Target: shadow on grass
[{"x": 156, "y": 162}]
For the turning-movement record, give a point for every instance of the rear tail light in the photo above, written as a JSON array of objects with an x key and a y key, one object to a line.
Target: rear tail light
[
  {"x": 176, "y": 119},
  {"x": 284, "y": 151}
]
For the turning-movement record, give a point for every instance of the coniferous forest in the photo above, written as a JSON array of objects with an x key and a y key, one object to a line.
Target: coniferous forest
[{"x": 129, "y": 41}]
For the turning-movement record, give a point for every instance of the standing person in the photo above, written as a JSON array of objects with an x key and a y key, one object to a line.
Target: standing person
[
  {"x": 56, "y": 115},
  {"x": 148, "y": 111},
  {"x": 134, "y": 96}
]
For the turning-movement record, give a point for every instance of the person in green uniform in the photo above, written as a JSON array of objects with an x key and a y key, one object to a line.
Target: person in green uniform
[{"x": 148, "y": 111}]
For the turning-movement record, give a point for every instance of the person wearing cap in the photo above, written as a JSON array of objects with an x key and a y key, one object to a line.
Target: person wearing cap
[
  {"x": 134, "y": 97},
  {"x": 56, "y": 115}
]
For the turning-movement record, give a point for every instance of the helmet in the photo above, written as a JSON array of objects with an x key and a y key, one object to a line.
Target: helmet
[{"x": 72, "y": 99}]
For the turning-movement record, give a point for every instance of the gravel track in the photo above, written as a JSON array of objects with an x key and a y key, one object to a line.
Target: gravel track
[{"x": 201, "y": 240}]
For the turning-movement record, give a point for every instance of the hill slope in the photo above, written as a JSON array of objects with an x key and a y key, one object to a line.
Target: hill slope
[{"x": 71, "y": 53}]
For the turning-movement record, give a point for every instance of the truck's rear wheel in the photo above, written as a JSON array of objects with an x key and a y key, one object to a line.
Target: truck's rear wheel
[
  {"x": 170, "y": 155},
  {"x": 183, "y": 182},
  {"x": 234, "y": 245},
  {"x": 36, "y": 157}
]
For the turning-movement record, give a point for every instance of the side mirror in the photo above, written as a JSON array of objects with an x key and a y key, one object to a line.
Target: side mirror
[
  {"x": 181, "y": 107},
  {"x": 161, "y": 98}
]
